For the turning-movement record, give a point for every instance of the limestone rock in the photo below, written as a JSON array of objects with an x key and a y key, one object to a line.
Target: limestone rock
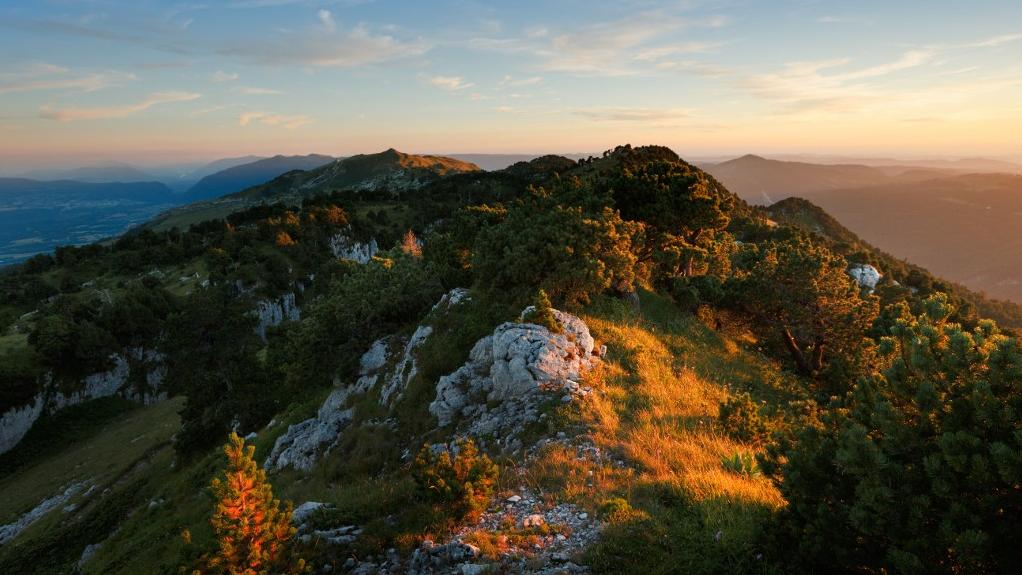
[
  {"x": 273, "y": 312},
  {"x": 496, "y": 389},
  {"x": 343, "y": 247},
  {"x": 865, "y": 275}
]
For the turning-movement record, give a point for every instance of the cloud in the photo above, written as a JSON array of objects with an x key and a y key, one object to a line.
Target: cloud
[
  {"x": 327, "y": 20},
  {"x": 450, "y": 83},
  {"x": 43, "y": 77},
  {"x": 634, "y": 115},
  {"x": 996, "y": 41},
  {"x": 103, "y": 113},
  {"x": 802, "y": 86},
  {"x": 288, "y": 122},
  {"x": 622, "y": 47},
  {"x": 252, "y": 91},
  {"x": 220, "y": 76},
  {"x": 358, "y": 46},
  {"x": 511, "y": 81}
]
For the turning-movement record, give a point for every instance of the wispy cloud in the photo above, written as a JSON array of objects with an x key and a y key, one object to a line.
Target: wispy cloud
[
  {"x": 268, "y": 119},
  {"x": 509, "y": 80},
  {"x": 220, "y": 76},
  {"x": 830, "y": 86},
  {"x": 335, "y": 48},
  {"x": 108, "y": 112},
  {"x": 43, "y": 76},
  {"x": 996, "y": 41},
  {"x": 253, "y": 91},
  {"x": 621, "y": 47},
  {"x": 634, "y": 115},
  {"x": 450, "y": 83},
  {"x": 327, "y": 20}
]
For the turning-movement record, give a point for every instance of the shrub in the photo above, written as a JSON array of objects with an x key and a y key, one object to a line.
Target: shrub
[
  {"x": 742, "y": 419},
  {"x": 919, "y": 471},
  {"x": 541, "y": 313},
  {"x": 462, "y": 483},
  {"x": 547, "y": 242},
  {"x": 253, "y": 531}
]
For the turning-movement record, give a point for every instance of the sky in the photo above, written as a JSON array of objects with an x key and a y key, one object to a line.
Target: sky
[{"x": 158, "y": 82}]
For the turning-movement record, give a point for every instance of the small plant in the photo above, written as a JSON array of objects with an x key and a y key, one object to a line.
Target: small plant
[
  {"x": 615, "y": 508},
  {"x": 462, "y": 483},
  {"x": 542, "y": 313},
  {"x": 743, "y": 464},
  {"x": 253, "y": 531},
  {"x": 741, "y": 418},
  {"x": 411, "y": 245}
]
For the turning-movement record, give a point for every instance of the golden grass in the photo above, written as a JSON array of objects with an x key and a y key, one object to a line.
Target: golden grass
[{"x": 656, "y": 411}]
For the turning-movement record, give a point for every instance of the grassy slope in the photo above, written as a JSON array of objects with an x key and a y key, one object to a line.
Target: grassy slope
[
  {"x": 656, "y": 406},
  {"x": 123, "y": 462}
]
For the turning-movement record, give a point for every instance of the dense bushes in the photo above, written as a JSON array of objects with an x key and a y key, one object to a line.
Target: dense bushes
[
  {"x": 920, "y": 471},
  {"x": 801, "y": 294},
  {"x": 462, "y": 483},
  {"x": 363, "y": 304},
  {"x": 571, "y": 253}
]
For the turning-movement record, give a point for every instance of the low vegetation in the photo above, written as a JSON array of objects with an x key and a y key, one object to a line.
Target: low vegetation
[{"x": 753, "y": 408}]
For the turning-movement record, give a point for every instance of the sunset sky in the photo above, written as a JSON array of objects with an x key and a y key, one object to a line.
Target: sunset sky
[{"x": 162, "y": 82}]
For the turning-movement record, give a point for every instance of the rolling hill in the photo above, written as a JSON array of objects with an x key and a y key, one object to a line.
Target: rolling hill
[
  {"x": 390, "y": 170},
  {"x": 964, "y": 227},
  {"x": 237, "y": 178}
]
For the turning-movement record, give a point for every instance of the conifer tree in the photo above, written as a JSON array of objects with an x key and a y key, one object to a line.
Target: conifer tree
[
  {"x": 919, "y": 471},
  {"x": 253, "y": 531},
  {"x": 410, "y": 244},
  {"x": 542, "y": 313}
]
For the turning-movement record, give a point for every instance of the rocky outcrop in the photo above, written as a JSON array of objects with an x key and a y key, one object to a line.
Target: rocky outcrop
[
  {"x": 510, "y": 372},
  {"x": 343, "y": 247},
  {"x": 303, "y": 443},
  {"x": 273, "y": 312},
  {"x": 865, "y": 275},
  {"x": 16, "y": 422},
  {"x": 11, "y": 530}
]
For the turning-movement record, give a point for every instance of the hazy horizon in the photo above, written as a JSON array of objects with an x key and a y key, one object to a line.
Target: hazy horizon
[{"x": 174, "y": 83}]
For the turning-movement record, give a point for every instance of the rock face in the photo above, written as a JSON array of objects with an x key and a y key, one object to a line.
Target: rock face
[
  {"x": 275, "y": 312},
  {"x": 16, "y": 422},
  {"x": 300, "y": 446},
  {"x": 11, "y": 530},
  {"x": 865, "y": 275},
  {"x": 499, "y": 388},
  {"x": 303, "y": 443},
  {"x": 343, "y": 247}
]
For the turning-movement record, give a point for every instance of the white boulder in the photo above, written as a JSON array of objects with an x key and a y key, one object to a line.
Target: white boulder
[{"x": 865, "y": 275}]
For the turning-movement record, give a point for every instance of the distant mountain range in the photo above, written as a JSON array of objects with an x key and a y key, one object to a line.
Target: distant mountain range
[
  {"x": 95, "y": 174},
  {"x": 238, "y": 177},
  {"x": 763, "y": 181},
  {"x": 390, "y": 170},
  {"x": 960, "y": 225},
  {"x": 963, "y": 227},
  {"x": 87, "y": 204}
]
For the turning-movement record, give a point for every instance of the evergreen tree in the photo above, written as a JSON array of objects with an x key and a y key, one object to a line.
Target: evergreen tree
[
  {"x": 549, "y": 241},
  {"x": 681, "y": 208},
  {"x": 542, "y": 313},
  {"x": 802, "y": 293},
  {"x": 253, "y": 532},
  {"x": 410, "y": 244},
  {"x": 920, "y": 471}
]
